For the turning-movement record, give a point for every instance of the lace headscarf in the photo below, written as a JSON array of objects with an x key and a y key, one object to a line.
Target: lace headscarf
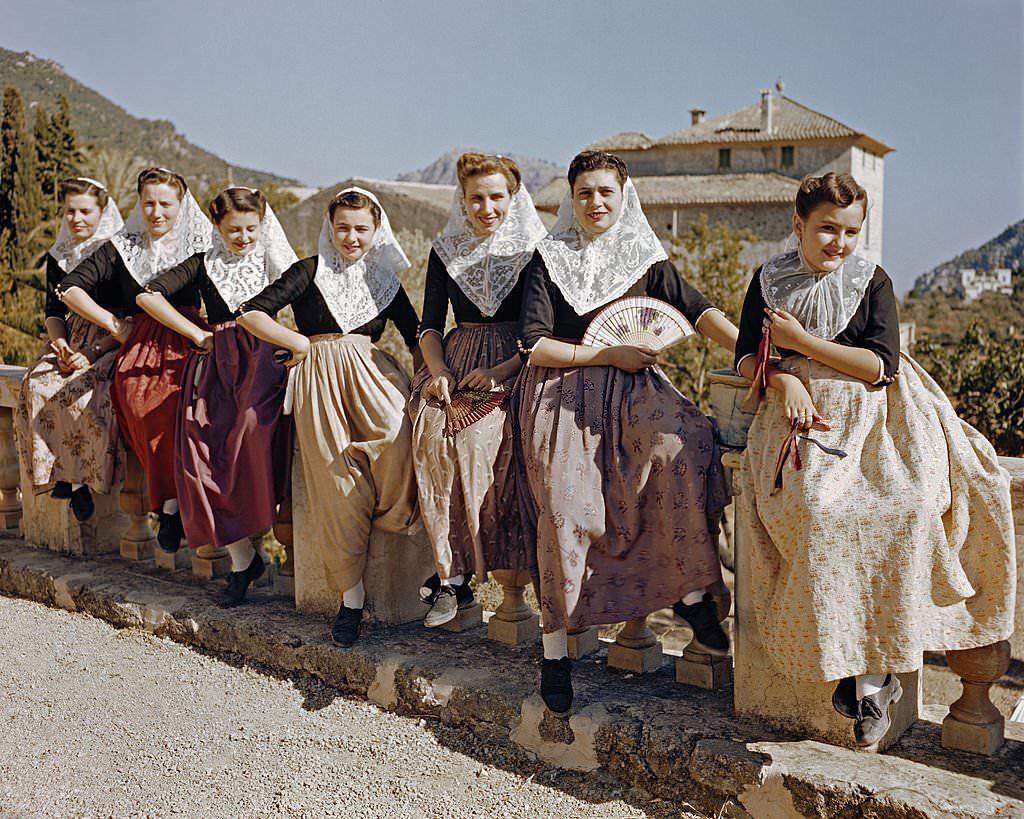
[
  {"x": 486, "y": 268},
  {"x": 68, "y": 251},
  {"x": 356, "y": 292},
  {"x": 145, "y": 257},
  {"x": 823, "y": 303},
  {"x": 238, "y": 278},
  {"x": 593, "y": 272}
]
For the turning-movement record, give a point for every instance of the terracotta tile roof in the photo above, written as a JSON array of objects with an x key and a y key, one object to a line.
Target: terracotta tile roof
[
  {"x": 694, "y": 189},
  {"x": 627, "y": 140}
]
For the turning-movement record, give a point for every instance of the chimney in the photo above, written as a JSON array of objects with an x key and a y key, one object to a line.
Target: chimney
[
  {"x": 696, "y": 116},
  {"x": 766, "y": 111}
]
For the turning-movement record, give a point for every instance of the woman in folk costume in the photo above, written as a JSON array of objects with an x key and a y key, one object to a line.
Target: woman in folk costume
[
  {"x": 466, "y": 480},
  {"x": 906, "y": 543},
  {"x": 228, "y": 479},
  {"x": 67, "y": 430},
  {"x": 348, "y": 397},
  {"x": 621, "y": 473},
  {"x": 165, "y": 228}
]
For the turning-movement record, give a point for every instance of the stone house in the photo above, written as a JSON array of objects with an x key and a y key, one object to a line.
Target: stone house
[
  {"x": 971, "y": 283},
  {"x": 743, "y": 168}
]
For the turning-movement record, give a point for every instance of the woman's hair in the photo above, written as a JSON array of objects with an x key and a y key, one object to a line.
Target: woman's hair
[
  {"x": 242, "y": 200},
  {"x": 354, "y": 200},
  {"x": 473, "y": 164},
  {"x": 75, "y": 186},
  {"x": 839, "y": 189},
  {"x": 162, "y": 176},
  {"x": 595, "y": 161}
]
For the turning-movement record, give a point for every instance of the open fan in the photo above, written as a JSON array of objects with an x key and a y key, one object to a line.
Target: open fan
[
  {"x": 468, "y": 406},
  {"x": 639, "y": 321}
]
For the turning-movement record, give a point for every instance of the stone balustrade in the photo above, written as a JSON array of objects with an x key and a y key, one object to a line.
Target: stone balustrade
[{"x": 398, "y": 563}]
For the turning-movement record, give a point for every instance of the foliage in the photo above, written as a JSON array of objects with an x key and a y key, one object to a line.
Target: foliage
[
  {"x": 708, "y": 258},
  {"x": 20, "y": 196},
  {"x": 116, "y": 168},
  {"x": 983, "y": 375},
  {"x": 944, "y": 319},
  {"x": 56, "y": 150}
]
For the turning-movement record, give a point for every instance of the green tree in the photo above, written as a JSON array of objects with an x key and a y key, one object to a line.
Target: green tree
[
  {"x": 20, "y": 197},
  {"x": 708, "y": 256},
  {"x": 56, "y": 149}
]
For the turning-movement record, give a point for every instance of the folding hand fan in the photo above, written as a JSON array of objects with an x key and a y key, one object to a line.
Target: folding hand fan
[
  {"x": 468, "y": 406},
  {"x": 639, "y": 321}
]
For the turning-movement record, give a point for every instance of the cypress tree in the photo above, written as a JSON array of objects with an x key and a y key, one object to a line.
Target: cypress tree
[
  {"x": 20, "y": 195},
  {"x": 56, "y": 150}
]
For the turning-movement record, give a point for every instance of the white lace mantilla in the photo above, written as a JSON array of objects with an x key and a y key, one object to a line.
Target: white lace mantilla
[
  {"x": 486, "y": 268},
  {"x": 823, "y": 303},
  {"x": 239, "y": 278},
  {"x": 356, "y": 292},
  {"x": 593, "y": 272},
  {"x": 69, "y": 252},
  {"x": 146, "y": 258}
]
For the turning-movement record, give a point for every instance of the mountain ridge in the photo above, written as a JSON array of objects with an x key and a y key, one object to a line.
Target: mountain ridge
[{"x": 1004, "y": 250}]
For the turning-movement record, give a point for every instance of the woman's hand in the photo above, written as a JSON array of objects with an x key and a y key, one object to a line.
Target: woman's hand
[
  {"x": 300, "y": 349},
  {"x": 796, "y": 402},
  {"x": 440, "y": 387},
  {"x": 482, "y": 378},
  {"x": 785, "y": 329},
  {"x": 121, "y": 328},
  {"x": 629, "y": 358},
  {"x": 203, "y": 341}
]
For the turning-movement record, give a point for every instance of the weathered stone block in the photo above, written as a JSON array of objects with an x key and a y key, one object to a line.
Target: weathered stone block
[
  {"x": 513, "y": 633},
  {"x": 582, "y": 643},
  {"x": 976, "y": 739},
  {"x": 208, "y": 568},
  {"x": 465, "y": 619},
  {"x": 636, "y": 660},
  {"x": 136, "y": 550},
  {"x": 172, "y": 561},
  {"x": 703, "y": 670}
]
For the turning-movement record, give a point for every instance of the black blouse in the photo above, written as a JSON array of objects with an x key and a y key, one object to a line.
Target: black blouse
[
  {"x": 313, "y": 317},
  {"x": 54, "y": 307},
  {"x": 546, "y": 313},
  {"x": 104, "y": 277},
  {"x": 874, "y": 326},
  {"x": 192, "y": 273},
  {"x": 441, "y": 290}
]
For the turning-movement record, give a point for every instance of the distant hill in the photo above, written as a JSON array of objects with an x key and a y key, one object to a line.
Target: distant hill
[
  {"x": 536, "y": 172},
  {"x": 100, "y": 122},
  {"x": 1005, "y": 250}
]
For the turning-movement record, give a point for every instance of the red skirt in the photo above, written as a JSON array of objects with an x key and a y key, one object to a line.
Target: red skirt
[
  {"x": 145, "y": 392},
  {"x": 228, "y": 448}
]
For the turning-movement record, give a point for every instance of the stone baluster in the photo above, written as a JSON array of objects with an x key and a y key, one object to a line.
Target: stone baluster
[
  {"x": 210, "y": 561},
  {"x": 284, "y": 579},
  {"x": 697, "y": 667},
  {"x": 514, "y": 622},
  {"x": 974, "y": 724},
  {"x": 636, "y": 648},
  {"x": 582, "y": 641},
  {"x": 138, "y": 539},
  {"x": 10, "y": 472}
]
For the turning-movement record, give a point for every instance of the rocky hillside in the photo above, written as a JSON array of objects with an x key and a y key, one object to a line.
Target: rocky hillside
[
  {"x": 101, "y": 123},
  {"x": 536, "y": 172},
  {"x": 1005, "y": 250}
]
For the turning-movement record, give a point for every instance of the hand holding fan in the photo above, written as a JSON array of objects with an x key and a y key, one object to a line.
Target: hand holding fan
[
  {"x": 469, "y": 405},
  {"x": 638, "y": 321}
]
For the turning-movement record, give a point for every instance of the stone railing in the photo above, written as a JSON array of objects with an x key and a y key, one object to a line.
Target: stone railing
[{"x": 397, "y": 564}]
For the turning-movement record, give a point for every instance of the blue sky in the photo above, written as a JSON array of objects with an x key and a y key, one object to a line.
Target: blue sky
[{"x": 322, "y": 91}]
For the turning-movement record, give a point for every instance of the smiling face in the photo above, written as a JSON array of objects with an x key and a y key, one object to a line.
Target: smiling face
[
  {"x": 597, "y": 200},
  {"x": 240, "y": 231},
  {"x": 487, "y": 200},
  {"x": 160, "y": 205},
  {"x": 352, "y": 232},
  {"x": 82, "y": 215},
  {"x": 828, "y": 234}
]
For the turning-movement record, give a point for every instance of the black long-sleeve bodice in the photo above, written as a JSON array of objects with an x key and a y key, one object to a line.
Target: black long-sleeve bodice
[{"x": 441, "y": 290}]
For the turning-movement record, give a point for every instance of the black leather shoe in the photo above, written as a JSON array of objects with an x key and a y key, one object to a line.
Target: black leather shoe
[
  {"x": 556, "y": 685},
  {"x": 345, "y": 630},
  {"x": 239, "y": 582},
  {"x": 82, "y": 505},
  {"x": 844, "y": 698},
  {"x": 61, "y": 491},
  {"x": 702, "y": 617},
  {"x": 170, "y": 532},
  {"x": 428, "y": 591}
]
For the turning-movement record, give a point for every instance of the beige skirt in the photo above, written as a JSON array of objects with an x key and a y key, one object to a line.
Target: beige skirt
[
  {"x": 66, "y": 427},
  {"x": 903, "y": 546},
  {"x": 355, "y": 442}
]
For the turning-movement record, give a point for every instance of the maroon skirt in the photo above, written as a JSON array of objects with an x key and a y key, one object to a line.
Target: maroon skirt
[
  {"x": 231, "y": 457},
  {"x": 147, "y": 383}
]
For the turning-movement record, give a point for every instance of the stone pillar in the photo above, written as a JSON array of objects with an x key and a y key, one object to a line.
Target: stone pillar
[
  {"x": 10, "y": 473},
  {"x": 284, "y": 578},
  {"x": 636, "y": 648},
  {"x": 514, "y": 622},
  {"x": 138, "y": 539},
  {"x": 697, "y": 667},
  {"x": 582, "y": 641},
  {"x": 209, "y": 562},
  {"x": 974, "y": 724}
]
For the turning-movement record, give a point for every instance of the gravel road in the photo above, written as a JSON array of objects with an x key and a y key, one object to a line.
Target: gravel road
[{"x": 100, "y": 722}]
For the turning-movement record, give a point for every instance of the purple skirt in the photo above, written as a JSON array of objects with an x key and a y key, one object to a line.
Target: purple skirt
[{"x": 232, "y": 460}]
